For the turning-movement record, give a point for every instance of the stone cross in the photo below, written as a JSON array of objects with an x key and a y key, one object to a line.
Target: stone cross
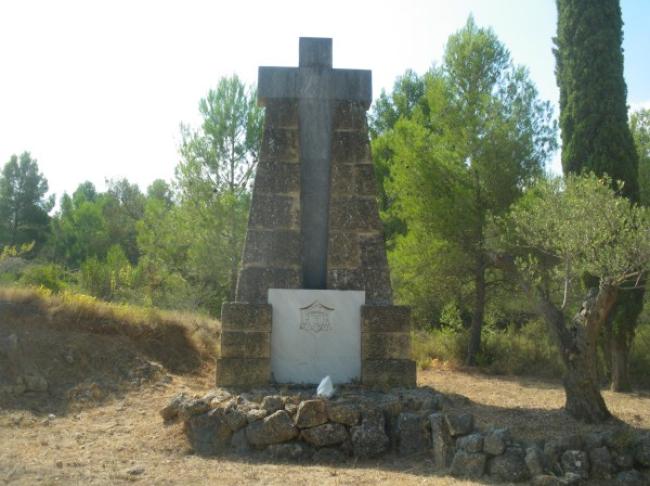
[{"x": 316, "y": 86}]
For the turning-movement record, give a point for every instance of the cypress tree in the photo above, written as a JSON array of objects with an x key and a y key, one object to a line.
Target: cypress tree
[{"x": 594, "y": 126}]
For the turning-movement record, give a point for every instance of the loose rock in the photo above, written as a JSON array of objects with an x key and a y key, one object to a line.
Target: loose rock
[
  {"x": 441, "y": 440},
  {"x": 413, "y": 433},
  {"x": 468, "y": 464},
  {"x": 346, "y": 413},
  {"x": 510, "y": 466},
  {"x": 535, "y": 461},
  {"x": 470, "y": 443},
  {"x": 495, "y": 441},
  {"x": 602, "y": 466},
  {"x": 208, "y": 433},
  {"x": 274, "y": 429},
  {"x": 576, "y": 462},
  {"x": 311, "y": 413},
  {"x": 459, "y": 423},
  {"x": 272, "y": 403},
  {"x": 325, "y": 435},
  {"x": 369, "y": 439}
]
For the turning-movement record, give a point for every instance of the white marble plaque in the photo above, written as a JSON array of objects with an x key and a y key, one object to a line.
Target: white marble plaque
[{"x": 316, "y": 333}]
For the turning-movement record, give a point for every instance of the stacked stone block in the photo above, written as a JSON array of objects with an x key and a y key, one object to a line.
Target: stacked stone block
[
  {"x": 245, "y": 345},
  {"x": 386, "y": 346}
]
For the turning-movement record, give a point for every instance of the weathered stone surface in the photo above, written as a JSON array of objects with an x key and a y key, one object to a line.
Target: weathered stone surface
[
  {"x": 385, "y": 318},
  {"x": 343, "y": 250},
  {"x": 311, "y": 413},
  {"x": 243, "y": 371},
  {"x": 468, "y": 464},
  {"x": 273, "y": 248},
  {"x": 413, "y": 432},
  {"x": 346, "y": 412},
  {"x": 277, "y": 178},
  {"x": 235, "y": 418},
  {"x": 350, "y": 147},
  {"x": 274, "y": 429},
  {"x": 442, "y": 442},
  {"x": 274, "y": 211},
  {"x": 369, "y": 439},
  {"x": 642, "y": 451},
  {"x": 255, "y": 414},
  {"x": 208, "y": 433},
  {"x": 631, "y": 477},
  {"x": 272, "y": 403},
  {"x": 181, "y": 401},
  {"x": 280, "y": 145},
  {"x": 470, "y": 443},
  {"x": 238, "y": 316},
  {"x": 281, "y": 113},
  {"x": 496, "y": 441},
  {"x": 510, "y": 466},
  {"x": 576, "y": 462},
  {"x": 602, "y": 466},
  {"x": 329, "y": 455},
  {"x": 239, "y": 442},
  {"x": 459, "y": 423},
  {"x": 385, "y": 345},
  {"x": 350, "y": 115},
  {"x": 237, "y": 344},
  {"x": 254, "y": 282},
  {"x": 291, "y": 451},
  {"x": 354, "y": 213},
  {"x": 192, "y": 406},
  {"x": 345, "y": 278},
  {"x": 535, "y": 460},
  {"x": 388, "y": 372},
  {"x": 325, "y": 435}
]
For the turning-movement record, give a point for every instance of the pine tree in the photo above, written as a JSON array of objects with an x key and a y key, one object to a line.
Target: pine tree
[{"x": 594, "y": 125}]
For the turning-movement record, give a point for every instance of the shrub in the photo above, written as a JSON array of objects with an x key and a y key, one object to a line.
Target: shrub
[{"x": 48, "y": 275}]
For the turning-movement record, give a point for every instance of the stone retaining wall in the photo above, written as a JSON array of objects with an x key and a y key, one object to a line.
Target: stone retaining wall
[{"x": 292, "y": 424}]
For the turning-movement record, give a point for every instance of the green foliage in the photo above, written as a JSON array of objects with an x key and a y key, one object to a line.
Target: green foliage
[
  {"x": 640, "y": 127},
  {"x": 593, "y": 105},
  {"x": 580, "y": 226},
  {"x": 47, "y": 275},
  {"x": 23, "y": 206},
  {"x": 451, "y": 161},
  {"x": 107, "y": 279}
]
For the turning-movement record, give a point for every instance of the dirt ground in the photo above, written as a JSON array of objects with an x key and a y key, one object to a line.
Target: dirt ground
[{"x": 122, "y": 438}]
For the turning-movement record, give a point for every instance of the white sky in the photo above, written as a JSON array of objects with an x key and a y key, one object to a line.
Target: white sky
[{"x": 97, "y": 90}]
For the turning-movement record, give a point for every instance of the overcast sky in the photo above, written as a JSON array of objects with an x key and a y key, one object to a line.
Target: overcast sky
[{"x": 96, "y": 90}]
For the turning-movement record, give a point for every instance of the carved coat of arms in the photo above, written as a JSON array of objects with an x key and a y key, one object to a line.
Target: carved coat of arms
[{"x": 315, "y": 317}]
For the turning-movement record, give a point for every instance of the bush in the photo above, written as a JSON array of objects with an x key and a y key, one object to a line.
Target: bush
[
  {"x": 443, "y": 344},
  {"x": 640, "y": 356},
  {"x": 48, "y": 275}
]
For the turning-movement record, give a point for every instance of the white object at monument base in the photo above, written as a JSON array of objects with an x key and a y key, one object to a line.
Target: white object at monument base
[
  {"x": 316, "y": 333},
  {"x": 325, "y": 388}
]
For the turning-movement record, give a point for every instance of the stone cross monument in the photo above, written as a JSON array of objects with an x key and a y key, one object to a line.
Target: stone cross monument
[{"x": 313, "y": 294}]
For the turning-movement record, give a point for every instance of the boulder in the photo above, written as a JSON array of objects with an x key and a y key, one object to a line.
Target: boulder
[
  {"x": 534, "y": 461},
  {"x": 369, "y": 439},
  {"x": 576, "y": 462},
  {"x": 413, "y": 433},
  {"x": 510, "y": 466},
  {"x": 459, "y": 423},
  {"x": 239, "y": 442},
  {"x": 208, "y": 433},
  {"x": 631, "y": 477},
  {"x": 235, "y": 418},
  {"x": 170, "y": 411},
  {"x": 441, "y": 441},
  {"x": 272, "y": 403},
  {"x": 496, "y": 441},
  {"x": 273, "y": 429},
  {"x": 325, "y": 435},
  {"x": 470, "y": 443},
  {"x": 602, "y": 466},
  {"x": 311, "y": 413},
  {"x": 468, "y": 464},
  {"x": 255, "y": 414},
  {"x": 642, "y": 451},
  {"x": 343, "y": 412}
]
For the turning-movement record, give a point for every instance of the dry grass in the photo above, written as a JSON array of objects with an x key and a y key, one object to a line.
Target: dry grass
[
  {"x": 100, "y": 444},
  {"x": 79, "y": 312}
]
